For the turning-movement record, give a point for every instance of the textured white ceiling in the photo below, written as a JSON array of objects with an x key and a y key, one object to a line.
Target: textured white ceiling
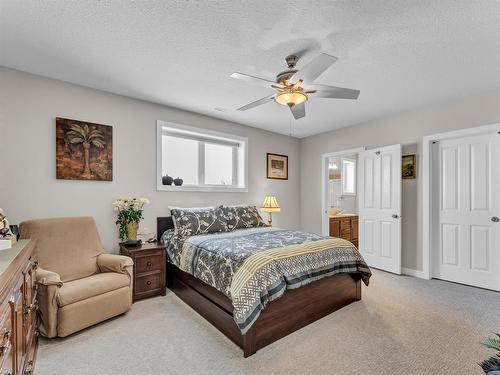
[{"x": 400, "y": 54}]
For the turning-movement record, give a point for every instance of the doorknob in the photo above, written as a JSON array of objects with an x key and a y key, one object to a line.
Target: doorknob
[
  {"x": 495, "y": 219},
  {"x": 395, "y": 216}
]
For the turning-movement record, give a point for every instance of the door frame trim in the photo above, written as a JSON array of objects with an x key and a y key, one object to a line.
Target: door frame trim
[
  {"x": 427, "y": 185},
  {"x": 324, "y": 183}
]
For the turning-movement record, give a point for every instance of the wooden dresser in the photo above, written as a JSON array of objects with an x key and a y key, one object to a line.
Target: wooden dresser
[
  {"x": 150, "y": 265},
  {"x": 345, "y": 226},
  {"x": 18, "y": 310}
]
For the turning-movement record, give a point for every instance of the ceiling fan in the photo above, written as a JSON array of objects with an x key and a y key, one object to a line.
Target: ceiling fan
[{"x": 294, "y": 87}]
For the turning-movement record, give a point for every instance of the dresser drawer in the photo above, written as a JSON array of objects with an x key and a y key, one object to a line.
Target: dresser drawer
[
  {"x": 6, "y": 354},
  {"x": 150, "y": 262},
  {"x": 148, "y": 282}
]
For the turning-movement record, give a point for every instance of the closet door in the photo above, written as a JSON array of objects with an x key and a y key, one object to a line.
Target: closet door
[
  {"x": 379, "y": 176},
  {"x": 468, "y": 249}
]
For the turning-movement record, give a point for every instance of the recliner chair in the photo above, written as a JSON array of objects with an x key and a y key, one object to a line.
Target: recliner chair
[{"x": 79, "y": 284}]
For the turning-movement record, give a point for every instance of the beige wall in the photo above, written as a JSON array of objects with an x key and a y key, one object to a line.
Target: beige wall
[
  {"x": 406, "y": 129},
  {"x": 29, "y": 189}
]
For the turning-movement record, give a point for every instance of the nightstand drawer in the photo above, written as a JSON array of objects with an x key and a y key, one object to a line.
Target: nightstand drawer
[
  {"x": 147, "y": 263},
  {"x": 148, "y": 282}
]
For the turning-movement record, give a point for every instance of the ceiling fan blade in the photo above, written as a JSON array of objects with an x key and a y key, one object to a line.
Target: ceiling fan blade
[
  {"x": 298, "y": 110},
  {"x": 256, "y": 103},
  {"x": 254, "y": 80},
  {"x": 314, "y": 69},
  {"x": 324, "y": 91}
]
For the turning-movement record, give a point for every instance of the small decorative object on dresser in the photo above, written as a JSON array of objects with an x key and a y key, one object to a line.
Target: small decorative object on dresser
[
  {"x": 84, "y": 151},
  {"x": 129, "y": 215},
  {"x": 149, "y": 270},
  {"x": 270, "y": 205},
  {"x": 277, "y": 166},
  {"x": 7, "y": 238}
]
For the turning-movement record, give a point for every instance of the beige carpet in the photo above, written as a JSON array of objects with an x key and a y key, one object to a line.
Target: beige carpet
[{"x": 403, "y": 325}]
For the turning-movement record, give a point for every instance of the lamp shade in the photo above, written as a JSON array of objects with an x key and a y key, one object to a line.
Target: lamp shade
[{"x": 270, "y": 204}]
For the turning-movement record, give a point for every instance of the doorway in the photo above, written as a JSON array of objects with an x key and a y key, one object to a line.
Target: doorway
[
  {"x": 339, "y": 193},
  {"x": 462, "y": 206},
  {"x": 362, "y": 202}
]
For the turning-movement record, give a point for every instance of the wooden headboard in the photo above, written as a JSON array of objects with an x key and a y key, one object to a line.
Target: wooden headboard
[{"x": 163, "y": 224}]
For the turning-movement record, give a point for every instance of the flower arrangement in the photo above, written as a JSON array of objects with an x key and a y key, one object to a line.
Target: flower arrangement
[{"x": 129, "y": 215}]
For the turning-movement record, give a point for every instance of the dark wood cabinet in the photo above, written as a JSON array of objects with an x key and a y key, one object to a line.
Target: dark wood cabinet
[
  {"x": 18, "y": 310},
  {"x": 345, "y": 226},
  {"x": 149, "y": 269}
]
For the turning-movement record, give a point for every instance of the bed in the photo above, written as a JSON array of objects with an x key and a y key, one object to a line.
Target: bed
[{"x": 281, "y": 313}]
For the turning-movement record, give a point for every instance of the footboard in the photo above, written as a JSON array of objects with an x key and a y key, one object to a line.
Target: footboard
[{"x": 294, "y": 310}]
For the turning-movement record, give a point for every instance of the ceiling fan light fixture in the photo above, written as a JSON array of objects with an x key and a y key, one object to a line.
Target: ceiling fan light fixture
[{"x": 291, "y": 98}]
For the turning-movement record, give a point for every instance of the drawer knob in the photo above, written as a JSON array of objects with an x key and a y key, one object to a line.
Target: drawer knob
[
  {"x": 148, "y": 282},
  {"x": 4, "y": 348},
  {"x": 29, "y": 308},
  {"x": 148, "y": 263}
]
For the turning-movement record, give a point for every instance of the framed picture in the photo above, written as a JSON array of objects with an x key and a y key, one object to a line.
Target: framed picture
[
  {"x": 409, "y": 167},
  {"x": 277, "y": 166},
  {"x": 84, "y": 150}
]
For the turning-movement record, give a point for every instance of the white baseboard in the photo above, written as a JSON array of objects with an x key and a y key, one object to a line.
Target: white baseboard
[{"x": 412, "y": 272}]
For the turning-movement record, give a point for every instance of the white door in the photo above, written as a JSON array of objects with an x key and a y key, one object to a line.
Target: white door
[
  {"x": 379, "y": 176},
  {"x": 468, "y": 248}
]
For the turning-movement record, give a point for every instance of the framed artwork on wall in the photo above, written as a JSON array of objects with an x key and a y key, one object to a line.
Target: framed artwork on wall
[
  {"x": 409, "y": 167},
  {"x": 277, "y": 166},
  {"x": 84, "y": 150}
]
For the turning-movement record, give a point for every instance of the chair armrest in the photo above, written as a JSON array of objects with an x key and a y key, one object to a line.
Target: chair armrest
[
  {"x": 46, "y": 277},
  {"x": 114, "y": 263},
  {"x": 49, "y": 284}
]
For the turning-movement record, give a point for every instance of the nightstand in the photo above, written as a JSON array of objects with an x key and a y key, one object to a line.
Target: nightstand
[{"x": 150, "y": 267}]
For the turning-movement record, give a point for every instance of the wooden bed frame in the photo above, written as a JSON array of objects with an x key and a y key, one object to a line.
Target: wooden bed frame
[{"x": 294, "y": 310}]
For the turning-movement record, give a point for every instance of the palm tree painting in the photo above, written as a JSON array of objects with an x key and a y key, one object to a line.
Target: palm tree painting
[{"x": 84, "y": 150}]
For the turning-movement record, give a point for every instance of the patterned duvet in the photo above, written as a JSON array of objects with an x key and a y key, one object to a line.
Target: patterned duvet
[{"x": 255, "y": 266}]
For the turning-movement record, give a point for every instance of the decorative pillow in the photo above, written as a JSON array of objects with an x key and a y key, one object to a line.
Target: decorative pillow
[
  {"x": 193, "y": 221},
  {"x": 239, "y": 217}
]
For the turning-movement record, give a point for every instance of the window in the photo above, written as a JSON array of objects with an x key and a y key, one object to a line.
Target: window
[
  {"x": 348, "y": 176},
  {"x": 203, "y": 159}
]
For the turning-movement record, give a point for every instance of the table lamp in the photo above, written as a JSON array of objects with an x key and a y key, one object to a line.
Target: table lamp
[{"x": 270, "y": 205}]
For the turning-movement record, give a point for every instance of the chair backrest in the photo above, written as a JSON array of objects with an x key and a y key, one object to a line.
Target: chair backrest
[{"x": 68, "y": 246}]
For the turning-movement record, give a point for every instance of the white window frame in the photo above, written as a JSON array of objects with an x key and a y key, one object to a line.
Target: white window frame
[
  {"x": 241, "y": 183},
  {"x": 343, "y": 177}
]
